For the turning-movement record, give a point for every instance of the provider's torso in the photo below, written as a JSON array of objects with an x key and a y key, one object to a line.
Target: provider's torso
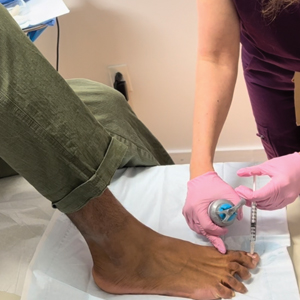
[{"x": 270, "y": 45}]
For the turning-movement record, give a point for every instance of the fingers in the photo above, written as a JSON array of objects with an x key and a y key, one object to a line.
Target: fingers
[
  {"x": 218, "y": 243},
  {"x": 210, "y": 228},
  {"x": 255, "y": 170},
  {"x": 262, "y": 196},
  {"x": 240, "y": 214},
  {"x": 212, "y": 231},
  {"x": 244, "y": 192}
]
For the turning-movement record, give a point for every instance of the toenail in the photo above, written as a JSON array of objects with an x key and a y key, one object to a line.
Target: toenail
[{"x": 252, "y": 255}]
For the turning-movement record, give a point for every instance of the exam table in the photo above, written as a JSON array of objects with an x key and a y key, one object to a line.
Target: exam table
[{"x": 43, "y": 256}]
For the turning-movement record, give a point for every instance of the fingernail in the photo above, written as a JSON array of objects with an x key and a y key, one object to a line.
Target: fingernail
[{"x": 233, "y": 294}]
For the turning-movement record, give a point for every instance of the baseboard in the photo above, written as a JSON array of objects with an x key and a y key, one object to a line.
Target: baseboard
[{"x": 222, "y": 155}]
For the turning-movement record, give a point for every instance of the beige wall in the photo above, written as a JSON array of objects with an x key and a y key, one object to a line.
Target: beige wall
[{"x": 157, "y": 39}]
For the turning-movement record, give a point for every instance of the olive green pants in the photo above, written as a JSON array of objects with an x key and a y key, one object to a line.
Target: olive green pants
[{"x": 67, "y": 138}]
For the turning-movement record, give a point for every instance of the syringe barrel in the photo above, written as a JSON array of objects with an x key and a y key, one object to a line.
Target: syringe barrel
[{"x": 253, "y": 221}]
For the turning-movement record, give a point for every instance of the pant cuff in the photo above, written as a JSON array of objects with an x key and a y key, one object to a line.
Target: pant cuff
[{"x": 96, "y": 185}]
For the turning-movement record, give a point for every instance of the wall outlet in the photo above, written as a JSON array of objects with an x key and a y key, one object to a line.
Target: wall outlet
[{"x": 112, "y": 70}]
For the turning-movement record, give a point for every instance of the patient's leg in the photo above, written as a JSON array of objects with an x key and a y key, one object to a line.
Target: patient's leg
[
  {"x": 67, "y": 150},
  {"x": 50, "y": 137},
  {"x": 130, "y": 258}
]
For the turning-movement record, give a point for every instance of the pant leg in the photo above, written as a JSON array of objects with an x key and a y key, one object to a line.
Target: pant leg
[
  {"x": 47, "y": 134},
  {"x": 272, "y": 98},
  {"x": 6, "y": 170},
  {"x": 112, "y": 111}
]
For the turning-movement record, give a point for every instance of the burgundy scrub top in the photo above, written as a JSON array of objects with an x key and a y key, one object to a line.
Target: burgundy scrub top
[{"x": 270, "y": 56}]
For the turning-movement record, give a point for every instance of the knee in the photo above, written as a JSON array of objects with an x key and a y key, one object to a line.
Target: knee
[
  {"x": 89, "y": 90},
  {"x": 116, "y": 102},
  {"x": 113, "y": 95},
  {"x": 100, "y": 98}
]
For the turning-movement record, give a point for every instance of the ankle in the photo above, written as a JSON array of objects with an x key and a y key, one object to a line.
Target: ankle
[
  {"x": 102, "y": 215},
  {"x": 110, "y": 231}
]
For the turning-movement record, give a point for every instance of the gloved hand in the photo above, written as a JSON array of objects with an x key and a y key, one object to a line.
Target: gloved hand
[
  {"x": 203, "y": 190},
  {"x": 283, "y": 188}
]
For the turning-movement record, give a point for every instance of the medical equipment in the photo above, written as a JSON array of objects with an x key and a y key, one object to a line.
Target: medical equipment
[
  {"x": 223, "y": 212},
  {"x": 18, "y": 10},
  {"x": 35, "y": 16},
  {"x": 253, "y": 220}
]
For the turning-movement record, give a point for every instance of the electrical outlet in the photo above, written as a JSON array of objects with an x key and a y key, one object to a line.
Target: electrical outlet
[{"x": 112, "y": 70}]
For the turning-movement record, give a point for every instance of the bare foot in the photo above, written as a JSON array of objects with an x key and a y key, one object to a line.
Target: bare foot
[{"x": 130, "y": 258}]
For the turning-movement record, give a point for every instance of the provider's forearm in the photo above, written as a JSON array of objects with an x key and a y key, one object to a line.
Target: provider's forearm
[{"x": 214, "y": 89}]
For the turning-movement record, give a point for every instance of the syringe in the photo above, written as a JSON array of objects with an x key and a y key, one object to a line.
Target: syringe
[{"x": 253, "y": 220}]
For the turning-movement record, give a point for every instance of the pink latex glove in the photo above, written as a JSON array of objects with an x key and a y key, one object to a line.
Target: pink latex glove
[
  {"x": 283, "y": 188},
  {"x": 203, "y": 190}
]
